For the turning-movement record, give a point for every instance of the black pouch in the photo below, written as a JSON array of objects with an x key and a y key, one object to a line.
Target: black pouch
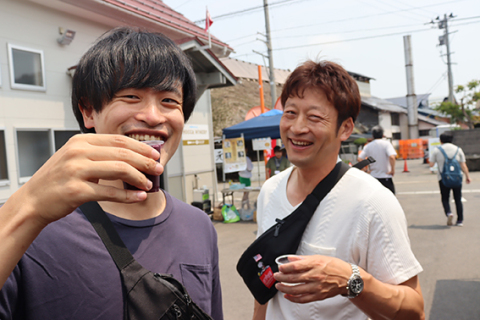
[
  {"x": 257, "y": 264},
  {"x": 147, "y": 295}
]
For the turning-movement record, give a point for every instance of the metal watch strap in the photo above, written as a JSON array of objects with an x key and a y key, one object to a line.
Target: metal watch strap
[
  {"x": 355, "y": 270},
  {"x": 355, "y": 275}
]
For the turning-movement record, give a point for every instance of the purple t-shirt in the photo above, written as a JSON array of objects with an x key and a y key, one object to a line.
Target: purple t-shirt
[{"x": 67, "y": 273}]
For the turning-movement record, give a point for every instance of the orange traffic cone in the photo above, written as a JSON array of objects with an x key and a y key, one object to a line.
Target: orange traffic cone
[
  {"x": 350, "y": 163},
  {"x": 405, "y": 169}
]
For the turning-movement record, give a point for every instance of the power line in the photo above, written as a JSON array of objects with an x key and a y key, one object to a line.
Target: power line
[
  {"x": 367, "y": 16},
  {"x": 353, "y": 39},
  {"x": 350, "y": 31},
  {"x": 246, "y": 10},
  {"x": 392, "y": 6},
  {"x": 437, "y": 83}
]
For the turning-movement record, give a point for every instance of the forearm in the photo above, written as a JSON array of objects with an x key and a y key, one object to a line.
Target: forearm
[
  {"x": 391, "y": 159},
  {"x": 464, "y": 167},
  {"x": 259, "y": 311},
  {"x": 384, "y": 301},
  {"x": 18, "y": 229}
]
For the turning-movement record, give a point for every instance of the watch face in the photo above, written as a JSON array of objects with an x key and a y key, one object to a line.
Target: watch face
[{"x": 356, "y": 285}]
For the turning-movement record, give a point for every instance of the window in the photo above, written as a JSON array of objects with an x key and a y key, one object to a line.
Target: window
[
  {"x": 422, "y": 133},
  {"x": 27, "y": 70},
  {"x": 395, "y": 119},
  {"x": 3, "y": 160},
  {"x": 61, "y": 137},
  {"x": 33, "y": 147},
  {"x": 396, "y": 135}
]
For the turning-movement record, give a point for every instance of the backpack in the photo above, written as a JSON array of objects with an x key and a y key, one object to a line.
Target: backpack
[{"x": 452, "y": 172}]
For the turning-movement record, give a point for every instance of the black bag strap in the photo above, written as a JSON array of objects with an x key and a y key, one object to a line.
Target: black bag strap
[
  {"x": 105, "y": 229},
  {"x": 327, "y": 184},
  {"x": 364, "y": 163}
]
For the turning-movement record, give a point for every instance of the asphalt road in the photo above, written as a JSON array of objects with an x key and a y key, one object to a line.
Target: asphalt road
[{"x": 449, "y": 255}]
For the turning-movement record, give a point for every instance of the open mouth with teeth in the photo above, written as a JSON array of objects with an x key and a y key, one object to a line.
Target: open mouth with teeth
[
  {"x": 145, "y": 137},
  {"x": 301, "y": 143}
]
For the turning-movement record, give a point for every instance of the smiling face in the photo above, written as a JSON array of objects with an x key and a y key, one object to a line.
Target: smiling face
[
  {"x": 142, "y": 114},
  {"x": 308, "y": 129}
]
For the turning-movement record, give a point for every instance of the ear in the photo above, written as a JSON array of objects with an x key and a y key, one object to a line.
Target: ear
[
  {"x": 346, "y": 129},
  {"x": 88, "y": 119}
]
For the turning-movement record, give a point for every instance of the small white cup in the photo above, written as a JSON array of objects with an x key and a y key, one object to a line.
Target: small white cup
[{"x": 283, "y": 260}]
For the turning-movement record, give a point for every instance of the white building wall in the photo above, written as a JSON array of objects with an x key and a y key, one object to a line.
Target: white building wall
[
  {"x": 199, "y": 159},
  {"x": 385, "y": 121},
  {"x": 26, "y": 24}
]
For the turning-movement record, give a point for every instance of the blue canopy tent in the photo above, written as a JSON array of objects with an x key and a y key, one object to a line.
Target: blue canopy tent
[{"x": 265, "y": 125}]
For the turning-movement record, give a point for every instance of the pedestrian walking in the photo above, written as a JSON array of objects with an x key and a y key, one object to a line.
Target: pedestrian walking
[
  {"x": 383, "y": 169},
  {"x": 452, "y": 155}
]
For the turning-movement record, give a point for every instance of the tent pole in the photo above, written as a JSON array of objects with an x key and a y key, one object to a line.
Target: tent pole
[
  {"x": 223, "y": 163},
  {"x": 258, "y": 163}
]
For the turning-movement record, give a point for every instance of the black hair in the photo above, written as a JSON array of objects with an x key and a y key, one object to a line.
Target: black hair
[
  {"x": 446, "y": 137},
  {"x": 377, "y": 132},
  {"x": 277, "y": 149},
  {"x": 129, "y": 58}
]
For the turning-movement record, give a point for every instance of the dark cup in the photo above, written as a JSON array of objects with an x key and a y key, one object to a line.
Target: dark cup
[{"x": 156, "y": 144}]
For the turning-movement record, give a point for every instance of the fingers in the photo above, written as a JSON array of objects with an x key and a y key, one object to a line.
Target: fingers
[
  {"x": 119, "y": 141},
  {"x": 118, "y": 170},
  {"x": 115, "y": 147},
  {"x": 108, "y": 193}
]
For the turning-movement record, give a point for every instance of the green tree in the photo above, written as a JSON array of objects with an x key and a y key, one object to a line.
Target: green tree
[{"x": 468, "y": 102}]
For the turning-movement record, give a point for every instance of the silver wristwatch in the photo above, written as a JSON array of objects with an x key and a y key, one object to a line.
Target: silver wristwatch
[{"x": 355, "y": 283}]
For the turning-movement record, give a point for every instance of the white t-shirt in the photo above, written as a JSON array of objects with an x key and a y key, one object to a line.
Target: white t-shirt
[
  {"x": 437, "y": 156},
  {"x": 380, "y": 150},
  {"x": 359, "y": 221}
]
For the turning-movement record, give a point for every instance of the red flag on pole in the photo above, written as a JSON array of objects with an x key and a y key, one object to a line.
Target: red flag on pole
[{"x": 208, "y": 21}]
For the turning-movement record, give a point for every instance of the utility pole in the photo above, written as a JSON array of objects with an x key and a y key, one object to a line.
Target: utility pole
[
  {"x": 444, "y": 40},
  {"x": 273, "y": 89},
  {"x": 412, "y": 111},
  {"x": 449, "y": 61}
]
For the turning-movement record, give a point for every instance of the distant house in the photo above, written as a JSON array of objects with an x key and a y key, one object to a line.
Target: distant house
[
  {"x": 41, "y": 43},
  {"x": 427, "y": 117},
  {"x": 376, "y": 111}
]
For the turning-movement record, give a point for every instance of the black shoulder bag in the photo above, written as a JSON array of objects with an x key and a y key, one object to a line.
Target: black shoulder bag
[
  {"x": 257, "y": 264},
  {"x": 148, "y": 296}
]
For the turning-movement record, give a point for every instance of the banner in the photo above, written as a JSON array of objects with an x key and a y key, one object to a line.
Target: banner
[
  {"x": 262, "y": 144},
  {"x": 234, "y": 155},
  {"x": 195, "y": 134}
]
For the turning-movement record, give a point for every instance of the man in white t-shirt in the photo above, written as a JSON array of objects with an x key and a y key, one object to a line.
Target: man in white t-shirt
[
  {"x": 384, "y": 154},
  {"x": 355, "y": 258},
  {"x": 436, "y": 156}
]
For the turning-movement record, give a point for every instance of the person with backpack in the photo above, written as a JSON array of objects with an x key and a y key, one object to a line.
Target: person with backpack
[
  {"x": 451, "y": 162},
  {"x": 130, "y": 86}
]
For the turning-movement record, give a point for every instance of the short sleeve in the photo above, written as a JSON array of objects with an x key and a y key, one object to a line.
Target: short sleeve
[
  {"x": 391, "y": 150},
  {"x": 364, "y": 154},
  {"x": 433, "y": 155},
  {"x": 461, "y": 155}
]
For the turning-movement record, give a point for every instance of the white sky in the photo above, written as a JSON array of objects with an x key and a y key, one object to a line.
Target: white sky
[{"x": 311, "y": 29}]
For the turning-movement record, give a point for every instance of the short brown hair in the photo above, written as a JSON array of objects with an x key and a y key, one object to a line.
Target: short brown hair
[{"x": 339, "y": 87}]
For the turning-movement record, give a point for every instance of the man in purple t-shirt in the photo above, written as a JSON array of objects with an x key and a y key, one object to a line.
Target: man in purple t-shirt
[{"x": 131, "y": 85}]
